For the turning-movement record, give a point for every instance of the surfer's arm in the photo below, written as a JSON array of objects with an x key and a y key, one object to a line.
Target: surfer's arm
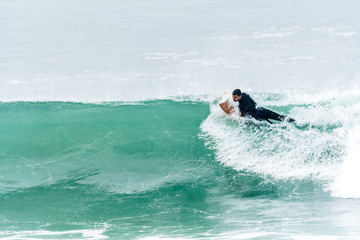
[{"x": 241, "y": 112}]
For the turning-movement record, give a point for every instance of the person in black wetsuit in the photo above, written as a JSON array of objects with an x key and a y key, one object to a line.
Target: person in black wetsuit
[{"x": 248, "y": 107}]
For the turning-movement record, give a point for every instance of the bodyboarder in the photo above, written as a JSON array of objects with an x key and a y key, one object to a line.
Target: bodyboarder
[{"x": 247, "y": 107}]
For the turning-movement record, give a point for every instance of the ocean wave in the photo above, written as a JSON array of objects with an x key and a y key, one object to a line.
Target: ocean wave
[
  {"x": 102, "y": 145},
  {"x": 48, "y": 142}
]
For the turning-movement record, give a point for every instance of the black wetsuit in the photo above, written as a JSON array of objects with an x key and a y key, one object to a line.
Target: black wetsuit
[{"x": 248, "y": 107}]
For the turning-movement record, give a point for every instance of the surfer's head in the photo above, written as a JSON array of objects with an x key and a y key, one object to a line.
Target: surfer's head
[{"x": 236, "y": 95}]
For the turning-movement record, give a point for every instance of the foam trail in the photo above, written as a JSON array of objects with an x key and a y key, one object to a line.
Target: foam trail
[{"x": 327, "y": 152}]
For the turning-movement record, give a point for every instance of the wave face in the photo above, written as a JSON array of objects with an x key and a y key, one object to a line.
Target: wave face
[
  {"x": 179, "y": 169},
  {"x": 44, "y": 143}
]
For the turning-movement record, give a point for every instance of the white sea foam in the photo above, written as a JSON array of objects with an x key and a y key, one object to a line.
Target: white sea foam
[
  {"x": 338, "y": 32},
  {"x": 94, "y": 234},
  {"x": 168, "y": 56},
  {"x": 253, "y": 235},
  {"x": 325, "y": 151},
  {"x": 272, "y": 34},
  {"x": 346, "y": 185}
]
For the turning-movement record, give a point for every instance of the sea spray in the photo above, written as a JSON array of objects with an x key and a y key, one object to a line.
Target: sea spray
[
  {"x": 346, "y": 185},
  {"x": 316, "y": 147}
]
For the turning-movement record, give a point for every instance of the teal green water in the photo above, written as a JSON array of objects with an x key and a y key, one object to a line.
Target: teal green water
[{"x": 162, "y": 169}]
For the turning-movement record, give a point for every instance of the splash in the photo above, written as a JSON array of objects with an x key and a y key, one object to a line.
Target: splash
[{"x": 321, "y": 147}]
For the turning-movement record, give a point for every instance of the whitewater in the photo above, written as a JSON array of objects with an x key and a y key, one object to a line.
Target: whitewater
[{"x": 110, "y": 126}]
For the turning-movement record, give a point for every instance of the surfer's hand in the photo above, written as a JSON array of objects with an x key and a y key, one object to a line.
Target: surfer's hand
[{"x": 231, "y": 109}]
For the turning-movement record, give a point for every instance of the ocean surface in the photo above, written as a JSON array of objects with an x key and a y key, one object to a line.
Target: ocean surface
[{"x": 110, "y": 126}]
